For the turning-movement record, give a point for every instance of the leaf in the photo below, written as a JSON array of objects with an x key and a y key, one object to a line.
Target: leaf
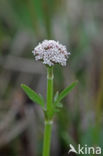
[
  {"x": 33, "y": 95},
  {"x": 56, "y": 110},
  {"x": 66, "y": 91},
  {"x": 56, "y": 96},
  {"x": 59, "y": 105}
]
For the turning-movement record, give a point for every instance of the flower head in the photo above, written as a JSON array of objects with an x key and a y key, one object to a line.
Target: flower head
[{"x": 51, "y": 52}]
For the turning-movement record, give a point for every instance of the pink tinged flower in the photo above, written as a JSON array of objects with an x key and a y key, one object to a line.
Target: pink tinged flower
[{"x": 51, "y": 52}]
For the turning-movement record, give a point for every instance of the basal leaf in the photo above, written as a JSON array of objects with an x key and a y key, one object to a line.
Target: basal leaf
[{"x": 33, "y": 95}]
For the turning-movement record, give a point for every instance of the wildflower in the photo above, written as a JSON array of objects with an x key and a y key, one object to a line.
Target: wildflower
[{"x": 51, "y": 52}]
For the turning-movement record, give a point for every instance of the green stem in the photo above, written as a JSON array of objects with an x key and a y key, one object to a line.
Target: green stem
[
  {"x": 47, "y": 138},
  {"x": 48, "y": 121},
  {"x": 49, "y": 89}
]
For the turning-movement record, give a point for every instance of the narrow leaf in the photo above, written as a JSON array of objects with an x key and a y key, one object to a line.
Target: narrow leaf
[
  {"x": 33, "y": 95},
  {"x": 56, "y": 96},
  {"x": 59, "y": 105},
  {"x": 66, "y": 91}
]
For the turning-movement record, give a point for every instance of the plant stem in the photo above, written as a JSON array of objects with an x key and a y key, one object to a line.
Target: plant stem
[
  {"x": 48, "y": 121},
  {"x": 47, "y": 138},
  {"x": 49, "y": 89}
]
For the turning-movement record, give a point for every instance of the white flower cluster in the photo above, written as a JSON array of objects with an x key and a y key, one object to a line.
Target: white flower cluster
[{"x": 51, "y": 52}]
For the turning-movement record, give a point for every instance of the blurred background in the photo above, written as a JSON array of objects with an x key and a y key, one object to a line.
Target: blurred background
[{"x": 79, "y": 25}]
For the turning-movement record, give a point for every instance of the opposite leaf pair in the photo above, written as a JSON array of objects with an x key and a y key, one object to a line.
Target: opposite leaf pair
[{"x": 40, "y": 100}]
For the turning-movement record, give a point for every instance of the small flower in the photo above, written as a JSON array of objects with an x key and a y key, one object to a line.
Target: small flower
[{"x": 51, "y": 52}]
